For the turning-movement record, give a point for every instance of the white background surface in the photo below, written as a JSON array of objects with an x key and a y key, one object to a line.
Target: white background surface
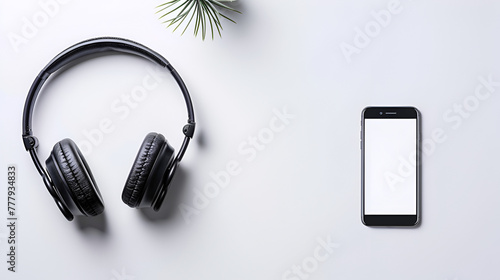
[{"x": 304, "y": 185}]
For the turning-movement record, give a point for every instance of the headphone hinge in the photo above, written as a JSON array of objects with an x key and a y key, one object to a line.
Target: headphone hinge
[
  {"x": 30, "y": 142},
  {"x": 188, "y": 129}
]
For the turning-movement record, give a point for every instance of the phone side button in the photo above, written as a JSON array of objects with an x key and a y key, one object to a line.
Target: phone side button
[{"x": 361, "y": 145}]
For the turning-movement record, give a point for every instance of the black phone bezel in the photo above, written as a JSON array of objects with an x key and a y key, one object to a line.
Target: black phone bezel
[{"x": 391, "y": 113}]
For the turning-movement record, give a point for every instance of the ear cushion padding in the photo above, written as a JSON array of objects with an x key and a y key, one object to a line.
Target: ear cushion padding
[
  {"x": 135, "y": 186},
  {"x": 76, "y": 173}
]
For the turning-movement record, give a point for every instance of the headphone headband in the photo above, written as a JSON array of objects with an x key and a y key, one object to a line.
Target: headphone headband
[
  {"x": 90, "y": 47},
  {"x": 98, "y": 45}
]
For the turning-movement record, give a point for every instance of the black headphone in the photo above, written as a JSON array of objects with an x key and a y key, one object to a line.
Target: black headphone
[{"x": 68, "y": 178}]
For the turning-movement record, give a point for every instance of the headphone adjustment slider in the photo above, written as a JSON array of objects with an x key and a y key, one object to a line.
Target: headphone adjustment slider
[
  {"x": 30, "y": 142},
  {"x": 188, "y": 129}
]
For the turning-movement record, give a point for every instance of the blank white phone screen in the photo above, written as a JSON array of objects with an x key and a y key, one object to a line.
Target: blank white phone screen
[{"x": 390, "y": 166}]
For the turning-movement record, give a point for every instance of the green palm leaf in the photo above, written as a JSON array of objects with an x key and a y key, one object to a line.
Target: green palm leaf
[{"x": 204, "y": 12}]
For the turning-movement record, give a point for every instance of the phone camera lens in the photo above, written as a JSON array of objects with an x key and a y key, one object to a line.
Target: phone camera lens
[{"x": 380, "y": 113}]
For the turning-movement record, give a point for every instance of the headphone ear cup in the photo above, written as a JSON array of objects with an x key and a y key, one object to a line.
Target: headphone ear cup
[
  {"x": 146, "y": 176},
  {"x": 73, "y": 180}
]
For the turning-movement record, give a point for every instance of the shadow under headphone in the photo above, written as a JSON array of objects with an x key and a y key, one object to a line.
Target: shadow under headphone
[{"x": 68, "y": 177}]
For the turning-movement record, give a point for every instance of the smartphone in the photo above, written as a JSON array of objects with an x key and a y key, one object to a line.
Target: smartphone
[{"x": 390, "y": 166}]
